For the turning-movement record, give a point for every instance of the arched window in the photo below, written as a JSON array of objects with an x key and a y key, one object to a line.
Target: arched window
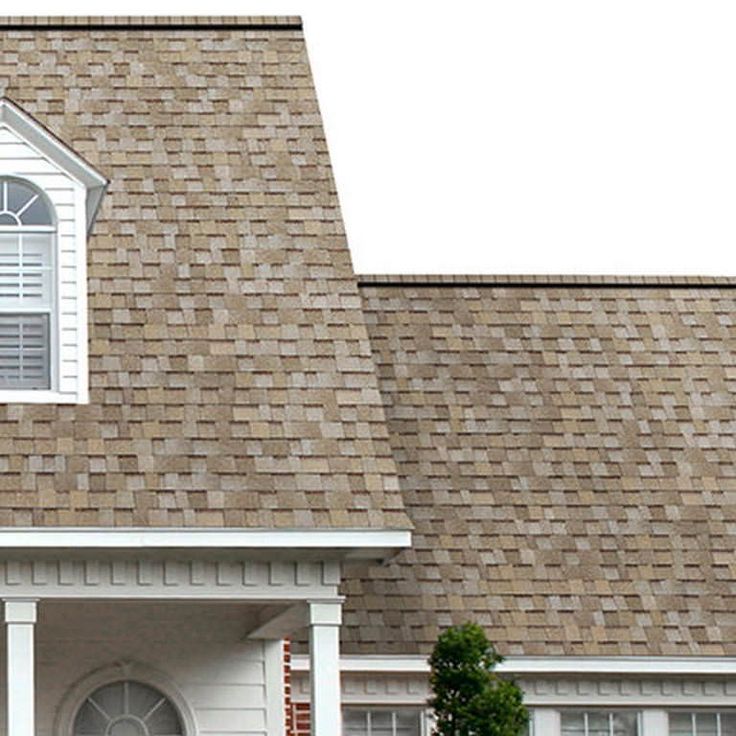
[
  {"x": 27, "y": 237},
  {"x": 127, "y": 708}
]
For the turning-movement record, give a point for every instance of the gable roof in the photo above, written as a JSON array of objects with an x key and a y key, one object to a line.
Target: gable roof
[
  {"x": 231, "y": 379},
  {"x": 22, "y": 124},
  {"x": 567, "y": 455}
]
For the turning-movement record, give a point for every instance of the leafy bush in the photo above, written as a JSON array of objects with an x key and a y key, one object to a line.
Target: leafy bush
[{"x": 470, "y": 699}]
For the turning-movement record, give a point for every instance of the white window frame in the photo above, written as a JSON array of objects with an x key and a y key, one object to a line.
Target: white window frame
[
  {"x": 610, "y": 711},
  {"x": 86, "y": 187},
  {"x": 694, "y": 712},
  {"x": 76, "y": 696},
  {"x": 424, "y": 720},
  {"x": 25, "y": 394}
]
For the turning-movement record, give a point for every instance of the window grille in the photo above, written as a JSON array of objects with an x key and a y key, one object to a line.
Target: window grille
[
  {"x": 702, "y": 724},
  {"x": 382, "y": 722},
  {"x": 26, "y": 287},
  {"x": 600, "y": 723},
  {"x": 127, "y": 709}
]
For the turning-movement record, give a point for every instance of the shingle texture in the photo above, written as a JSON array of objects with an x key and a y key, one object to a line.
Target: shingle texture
[
  {"x": 568, "y": 457},
  {"x": 231, "y": 376}
]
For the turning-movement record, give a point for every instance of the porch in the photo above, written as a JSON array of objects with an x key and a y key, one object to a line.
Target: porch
[{"x": 202, "y": 629}]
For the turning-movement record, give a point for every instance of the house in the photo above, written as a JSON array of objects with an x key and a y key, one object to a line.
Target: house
[{"x": 242, "y": 489}]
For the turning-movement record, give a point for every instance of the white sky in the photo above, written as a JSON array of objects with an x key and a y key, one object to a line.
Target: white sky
[{"x": 523, "y": 136}]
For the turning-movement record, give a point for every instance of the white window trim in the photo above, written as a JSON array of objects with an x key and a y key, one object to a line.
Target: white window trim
[
  {"x": 89, "y": 187},
  {"x": 82, "y": 689},
  {"x": 549, "y": 665},
  {"x": 348, "y": 544}
]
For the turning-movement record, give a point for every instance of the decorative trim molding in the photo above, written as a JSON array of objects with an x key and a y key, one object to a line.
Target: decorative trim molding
[
  {"x": 54, "y": 150},
  {"x": 170, "y": 579},
  {"x": 351, "y": 544},
  {"x": 550, "y": 665}
]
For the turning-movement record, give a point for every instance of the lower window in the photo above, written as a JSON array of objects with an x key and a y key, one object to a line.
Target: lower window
[
  {"x": 702, "y": 724},
  {"x": 600, "y": 723},
  {"x": 382, "y": 722},
  {"x": 127, "y": 709}
]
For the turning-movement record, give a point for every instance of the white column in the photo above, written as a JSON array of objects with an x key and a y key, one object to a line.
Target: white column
[
  {"x": 273, "y": 654},
  {"x": 546, "y": 722},
  {"x": 654, "y": 723},
  {"x": 325, "y": 618},
  {"x": 20, "y": 619}
]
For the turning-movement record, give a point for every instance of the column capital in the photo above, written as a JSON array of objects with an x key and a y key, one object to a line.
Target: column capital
[
  {"x": 20, "y": 610},
  {"x": 325, "y": 612}
]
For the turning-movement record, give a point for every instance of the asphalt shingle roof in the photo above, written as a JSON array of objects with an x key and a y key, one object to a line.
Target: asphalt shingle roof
[
  {"x": 231, "y": 376},
  {"x": 567, "y": 453}
]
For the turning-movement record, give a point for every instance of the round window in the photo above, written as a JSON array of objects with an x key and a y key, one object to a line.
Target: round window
[{"x": 127, "y": 708}]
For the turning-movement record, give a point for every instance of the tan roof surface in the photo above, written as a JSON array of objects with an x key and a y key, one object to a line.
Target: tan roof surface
[
  {"x": 568, "y": 457},
  {"x": 231, "y": 376}
]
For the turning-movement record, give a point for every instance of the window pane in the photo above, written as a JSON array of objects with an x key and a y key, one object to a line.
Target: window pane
[
  {"x": 25, "y": 203},
  {"x": 355, "y": 723},
  {"x": 109, "y": 699},
  {"x": 573, "y": 723},
  {"x": 728, "y": 724},
  {"x": 625, "y": 723},
  {"x": 25, "y": 270},
  {"x": 24, "y": 351},
  {"x": 128, "y": 705},
  {"x": 89, "y": 721},
  {"x": 18, "y": 196},
  {"x": 707, "y": 724},
  {"x": 37, "y": 214},
  {"x": 36, "y": 269},
  {"x": 681, "y": 724},
  {"x": 599, "y": 723},
  {"x": 407, "y": 723},
  {"x": 382, "y": 722}
]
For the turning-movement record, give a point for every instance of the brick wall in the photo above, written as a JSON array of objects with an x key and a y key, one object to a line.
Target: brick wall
[{"x": 297, "y": 714}]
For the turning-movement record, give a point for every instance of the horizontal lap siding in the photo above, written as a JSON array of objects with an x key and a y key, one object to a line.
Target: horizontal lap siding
[
  {"x": 198, "y": 647},
  {"x": 21, "y": 160}
]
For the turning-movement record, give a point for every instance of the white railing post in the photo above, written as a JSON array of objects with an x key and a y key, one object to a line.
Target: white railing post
[
  {"x": 325, "y": 618},
  {"x": 20, "y": 620}
]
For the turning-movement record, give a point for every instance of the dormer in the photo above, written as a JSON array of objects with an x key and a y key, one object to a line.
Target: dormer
[{"x": 49, "y": 197}]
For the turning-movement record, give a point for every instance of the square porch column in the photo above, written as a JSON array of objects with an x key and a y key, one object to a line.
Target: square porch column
[
  {"x": 325, "y": 618},
  {"x": 20, "y": 620}
]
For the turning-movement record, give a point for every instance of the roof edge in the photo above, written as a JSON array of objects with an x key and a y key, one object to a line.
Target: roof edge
[
  {"x": 150, "y": 23},
  {"x": 623, "y": 665},
  {"x": 358, "y": 543},
  {"x": 490, "y": 280}
]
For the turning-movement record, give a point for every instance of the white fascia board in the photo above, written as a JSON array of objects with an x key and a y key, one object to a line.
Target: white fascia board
[
  {"x": 49, "y": 146},
  {"x": 357, "y": 543},
  {"x": 548, "y": 665}
]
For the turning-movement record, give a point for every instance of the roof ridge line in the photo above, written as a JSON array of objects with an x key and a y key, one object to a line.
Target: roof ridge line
[
  {"x": 150, "y": 22},
  {"x": 531, "y": 280}
]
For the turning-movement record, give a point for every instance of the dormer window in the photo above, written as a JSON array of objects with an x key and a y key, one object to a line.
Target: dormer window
[
  {"x": 27, "y": 314},
  {"x": 49, "y": 197}
]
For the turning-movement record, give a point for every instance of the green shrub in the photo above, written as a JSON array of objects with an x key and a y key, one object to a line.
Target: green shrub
[{"x": 470, "y": 699}]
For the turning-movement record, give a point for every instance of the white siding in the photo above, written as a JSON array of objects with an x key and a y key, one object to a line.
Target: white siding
[
  {"x": 17, "y": 158},
  {"x": 197, "y": 646}
]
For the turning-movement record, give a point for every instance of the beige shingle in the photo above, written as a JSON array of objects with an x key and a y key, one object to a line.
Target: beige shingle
[
  {"x": 225, "y": 324},
  {"x": 566, "y": 452}
]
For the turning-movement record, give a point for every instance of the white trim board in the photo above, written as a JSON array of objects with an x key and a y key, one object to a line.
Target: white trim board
[
  {"x": 549, "y": 665},
  {"x": 57, "y": 152},
  {"x": 355, "y": 543}
]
